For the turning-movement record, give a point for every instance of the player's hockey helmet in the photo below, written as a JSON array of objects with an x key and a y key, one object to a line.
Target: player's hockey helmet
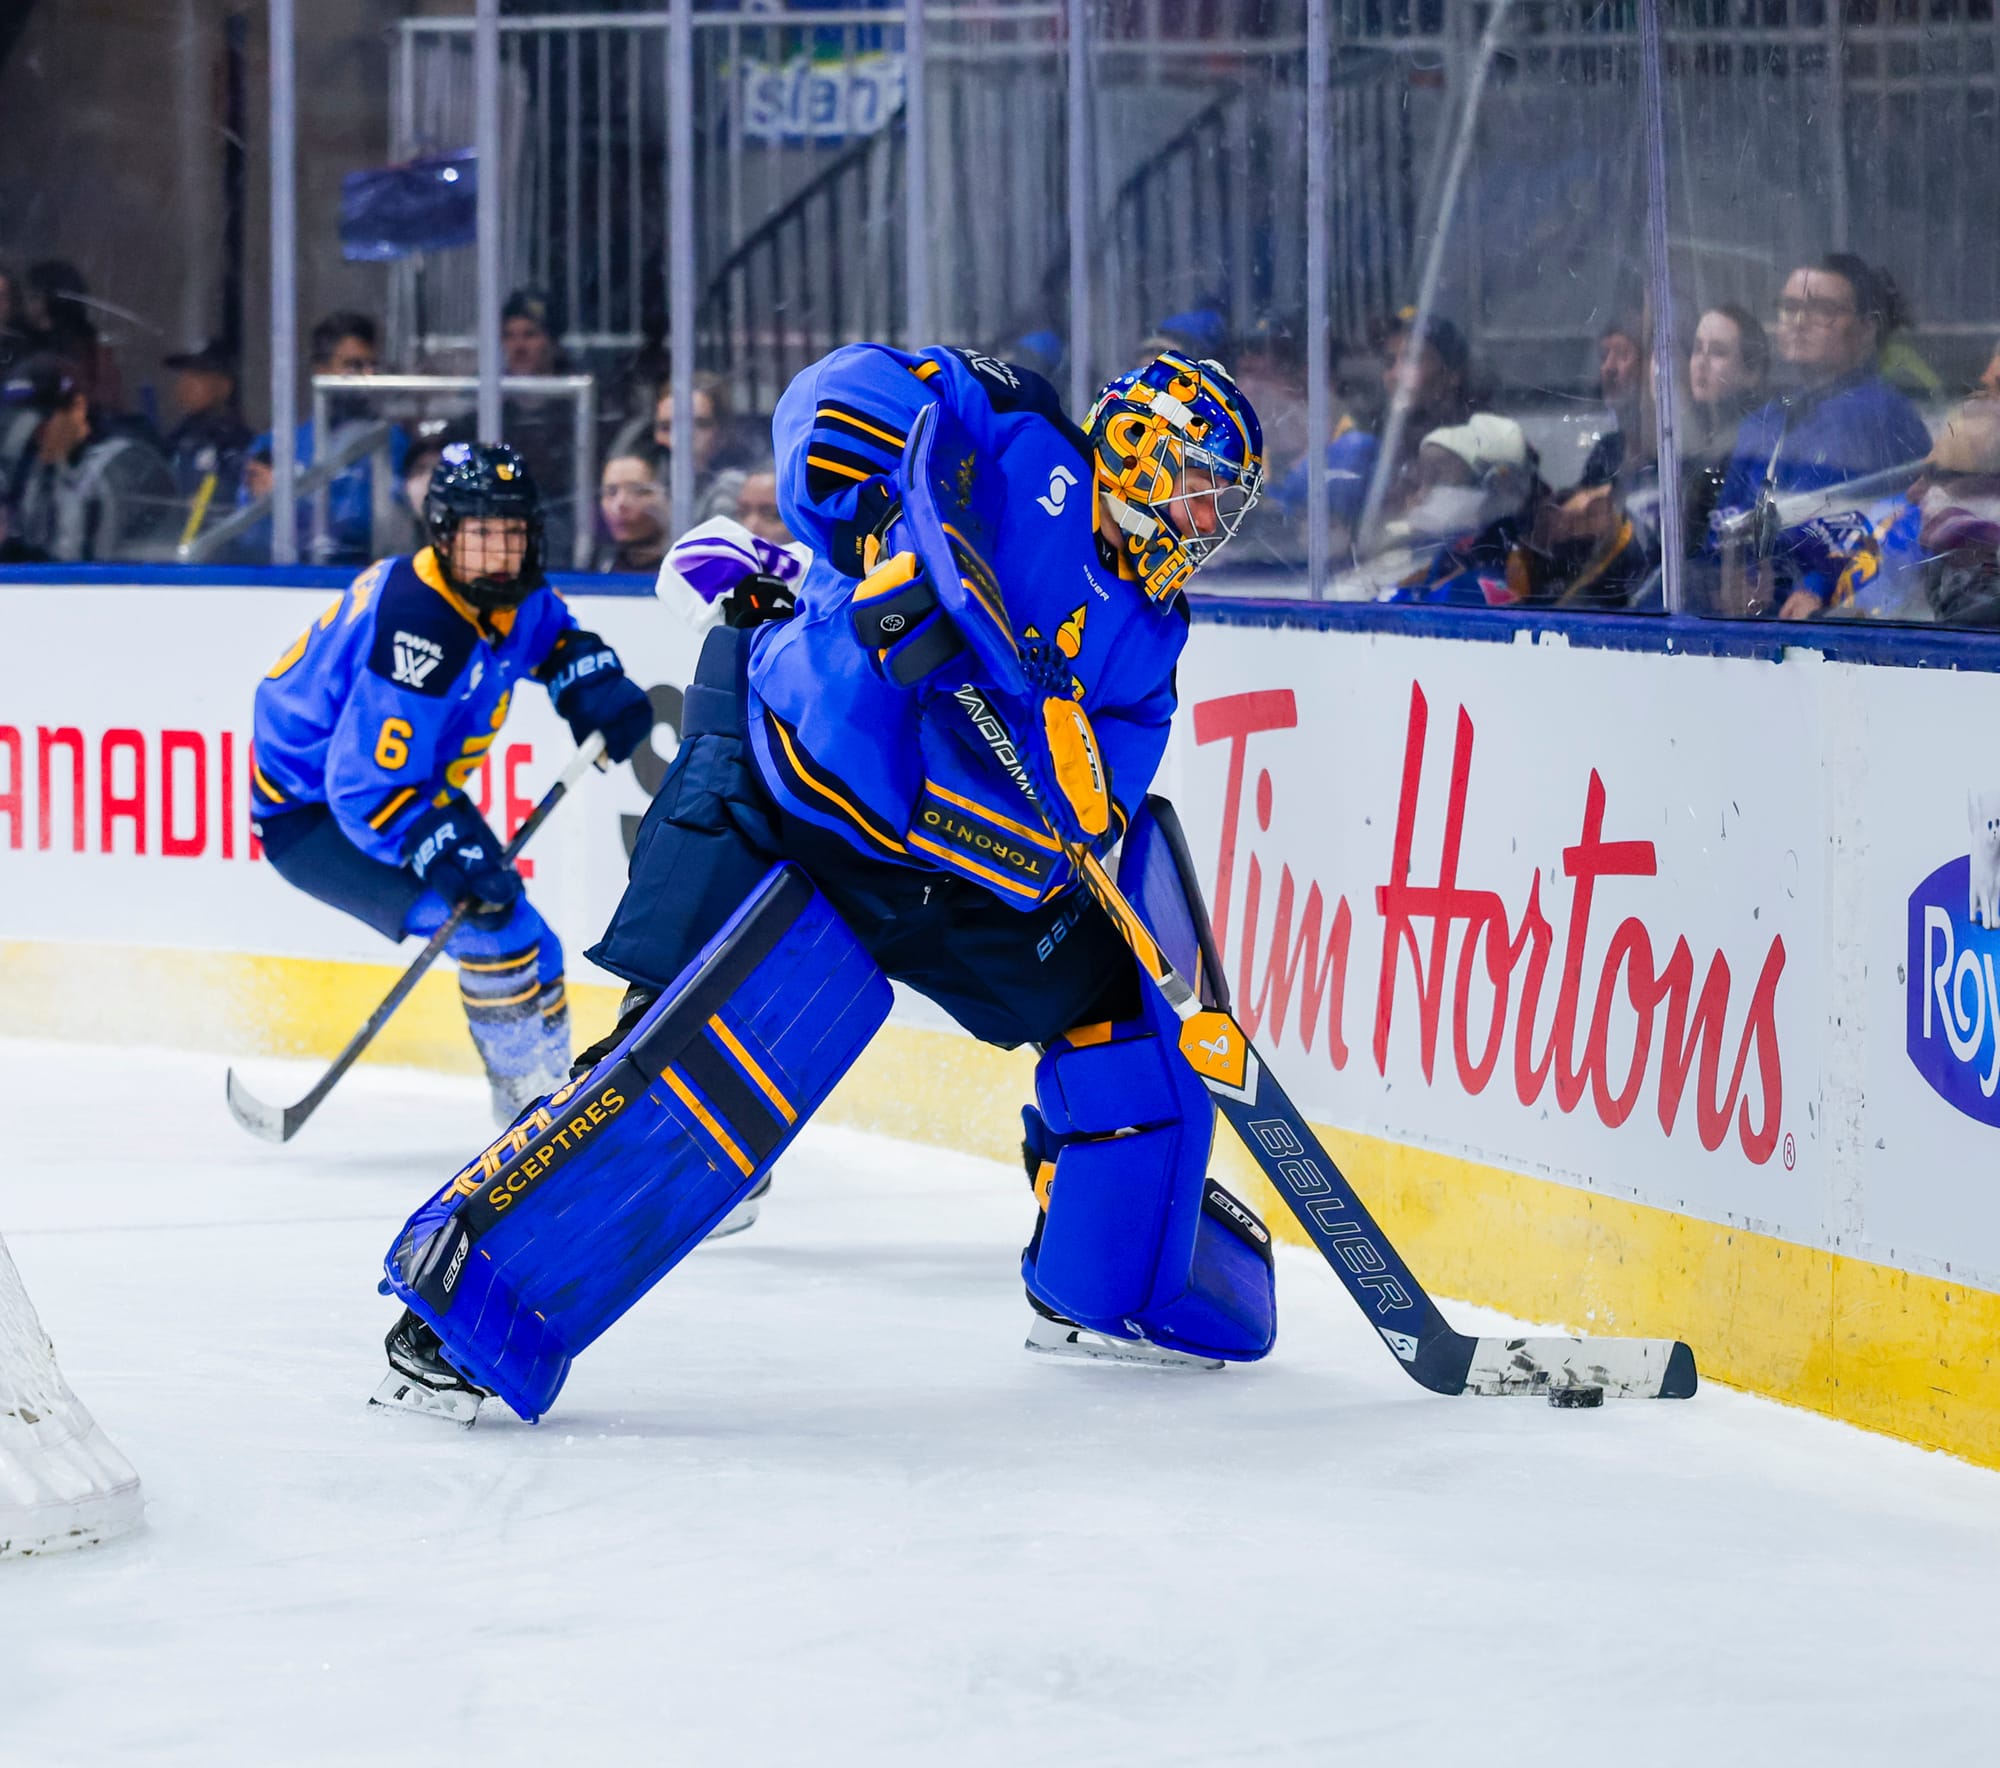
[
  {"x": 1179, "y": 459},
  {"x": 473, "y": 479}
]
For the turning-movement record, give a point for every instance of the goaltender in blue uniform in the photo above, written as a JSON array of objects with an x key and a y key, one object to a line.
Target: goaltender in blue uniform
[
  {"x": 372, "y": 723},
  {"x": 844, "y": 809}
]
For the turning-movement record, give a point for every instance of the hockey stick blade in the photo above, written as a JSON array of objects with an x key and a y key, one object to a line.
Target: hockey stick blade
[
  {"x": 271, "y": 1123},
  {"x": 274, "y": 1124},
  {"x": 1442, "y": 1359}
]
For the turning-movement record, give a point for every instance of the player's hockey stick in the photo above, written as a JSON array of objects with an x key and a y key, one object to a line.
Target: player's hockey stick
[
  {"x": 280, "y": 1123},
  {"x": 1278, "y": 1137}
]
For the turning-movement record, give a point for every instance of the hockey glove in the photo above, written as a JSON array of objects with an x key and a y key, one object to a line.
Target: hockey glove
[
  {"x": 759, "y": 597},
  {"x": 589, "y": 687},
  {"x": 452, "y": 851}
]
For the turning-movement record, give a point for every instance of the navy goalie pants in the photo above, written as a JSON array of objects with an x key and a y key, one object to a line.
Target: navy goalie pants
[{"x": 713, "y": 832}]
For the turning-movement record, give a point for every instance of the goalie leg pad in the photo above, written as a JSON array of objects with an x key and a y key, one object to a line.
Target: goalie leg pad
[
  {"x": 532, "y": 1251},
  {"x": 1137, "y": 1240}
]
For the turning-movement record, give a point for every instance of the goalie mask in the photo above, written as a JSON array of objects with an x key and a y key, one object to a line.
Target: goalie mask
[
  {"x": 475, "y": 480},
  {"x": 1179, "y": 460}
]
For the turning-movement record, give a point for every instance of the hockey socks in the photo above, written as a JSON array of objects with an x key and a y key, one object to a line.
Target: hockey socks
[{"x": 532, "y": 1251}]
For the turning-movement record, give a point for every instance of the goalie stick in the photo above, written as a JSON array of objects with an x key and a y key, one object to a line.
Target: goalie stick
[
  {"x": 1277, "y": 1136},
  {"x": 280, "y": 1123}
]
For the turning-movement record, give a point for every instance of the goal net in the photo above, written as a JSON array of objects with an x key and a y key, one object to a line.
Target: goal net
[{"x": 62, "y": 1484}]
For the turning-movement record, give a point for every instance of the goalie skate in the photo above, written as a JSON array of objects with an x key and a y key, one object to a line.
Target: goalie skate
[
  {"x": 1052, "y": 1337},
  {"x": 420, "y": 1380},
  {"x": 744, "y": 1214}
]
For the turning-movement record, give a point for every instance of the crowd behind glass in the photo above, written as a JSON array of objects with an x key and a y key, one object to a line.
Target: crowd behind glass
[{"x": 1825, "y": 468}]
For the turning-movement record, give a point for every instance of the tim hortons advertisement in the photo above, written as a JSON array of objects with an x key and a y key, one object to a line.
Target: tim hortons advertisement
[
  {"x": 1557, "y": 911},
  {"x": 125, "y": 772}
]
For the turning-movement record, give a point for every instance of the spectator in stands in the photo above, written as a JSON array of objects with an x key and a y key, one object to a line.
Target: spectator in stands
[
  {"x": 85, "y": 491},
  {"x": 1621, "y": 360},
  {"x": 633, "y": 515},
  {"x": 1728, "y": 365},
  {"x": 528, "y": 335},
  {"x": 58, "y": 321},
  {"x": 542, "y": 426},
  {"x": 757, "y": 506},
  {"x": 343, "y": 343},
  {"x": 716, "y": 447},
  {"x": 1839, "y": 420},
  {"x": 1270, "y": 367},
  {"x": 1430, "y": 368},
  {"x": 1200, "y": 331},
  {"x": 207, "y": 447},
  {"x": 1932, "y": 552}
]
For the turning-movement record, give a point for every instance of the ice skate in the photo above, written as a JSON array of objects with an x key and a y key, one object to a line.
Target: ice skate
[
  {"x": 420, "y": 1380},
  {"x": 1050, "y": 1335},
  {"x": 744, "y": 1214}
]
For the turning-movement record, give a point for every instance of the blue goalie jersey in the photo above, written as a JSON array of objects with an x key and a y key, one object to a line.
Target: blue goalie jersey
[
  {"x": 897, "y": 770},
  {"x": 391, "y": 698}
]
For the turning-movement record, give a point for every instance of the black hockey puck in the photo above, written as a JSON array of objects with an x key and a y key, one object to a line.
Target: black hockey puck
[{"x": 1579, "y": 1393}]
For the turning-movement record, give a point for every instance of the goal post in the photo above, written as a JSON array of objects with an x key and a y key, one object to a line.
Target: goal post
[{"x": 62, "y": 1483}]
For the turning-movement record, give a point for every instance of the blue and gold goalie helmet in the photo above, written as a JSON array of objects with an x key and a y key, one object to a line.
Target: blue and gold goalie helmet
[{"x": 1179, "y": 460}]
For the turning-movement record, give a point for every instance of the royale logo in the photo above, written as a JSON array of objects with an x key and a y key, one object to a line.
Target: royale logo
[{"x": 1952, "y": 1003}]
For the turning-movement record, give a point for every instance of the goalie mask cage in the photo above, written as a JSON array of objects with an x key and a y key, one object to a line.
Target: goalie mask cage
[{"x": 62, "y": 1484}]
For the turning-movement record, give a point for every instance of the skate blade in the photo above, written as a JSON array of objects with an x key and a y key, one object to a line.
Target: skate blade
[
  {"x": 399, "y": 1393},
  {"x": 744, "y": 1214},
  {"x": 1053, "y": 1338}
]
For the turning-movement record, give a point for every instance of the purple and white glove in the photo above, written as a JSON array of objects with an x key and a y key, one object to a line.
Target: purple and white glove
[{"x": 719, "y": 568}]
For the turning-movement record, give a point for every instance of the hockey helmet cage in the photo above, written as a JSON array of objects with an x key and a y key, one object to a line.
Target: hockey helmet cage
[
  {"x": 1178, "y": 456},
  {"x": 475, "y": 479}
]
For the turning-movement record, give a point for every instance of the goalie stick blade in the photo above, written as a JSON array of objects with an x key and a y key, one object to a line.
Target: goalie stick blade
[
  {"x": 1626, "y": 1368},
  {"x": 270, "y": 1122}
]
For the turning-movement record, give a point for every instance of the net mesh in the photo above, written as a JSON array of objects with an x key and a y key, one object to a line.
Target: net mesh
[{"x": 62, "y": 1484}]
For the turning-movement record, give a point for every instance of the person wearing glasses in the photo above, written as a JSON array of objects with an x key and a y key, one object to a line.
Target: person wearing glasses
[{"x": 1835, "y": 418}]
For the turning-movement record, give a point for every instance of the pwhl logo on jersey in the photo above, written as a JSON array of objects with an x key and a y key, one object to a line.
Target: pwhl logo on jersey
[
  {"x": 1951, "y": 998},
  {"x": 1478, "y": 974},
  {"x": 415, "y": 657}
]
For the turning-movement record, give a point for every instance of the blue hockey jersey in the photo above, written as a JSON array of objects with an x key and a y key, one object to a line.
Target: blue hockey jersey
[
  {"x": 392, "y": 697},
  {"x": 897, "y": 770}
]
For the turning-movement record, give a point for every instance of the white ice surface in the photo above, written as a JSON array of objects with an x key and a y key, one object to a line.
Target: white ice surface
[{"x": 810, "y": 1503}]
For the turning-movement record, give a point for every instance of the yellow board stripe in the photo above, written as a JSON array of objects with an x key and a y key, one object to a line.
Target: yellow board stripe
[
  {"x": 750, "y": 1066},
  {"x": 682, "y": 1091},
  {"x": 1041, "y": 837},
  {"x": 952, "y": 857},
  {"x": 834, "y": 466},
  {"x": 386, "y": 814}
]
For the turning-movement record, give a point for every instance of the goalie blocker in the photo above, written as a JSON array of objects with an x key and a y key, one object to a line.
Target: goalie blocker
[{"x": 532, "y": 1251}]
